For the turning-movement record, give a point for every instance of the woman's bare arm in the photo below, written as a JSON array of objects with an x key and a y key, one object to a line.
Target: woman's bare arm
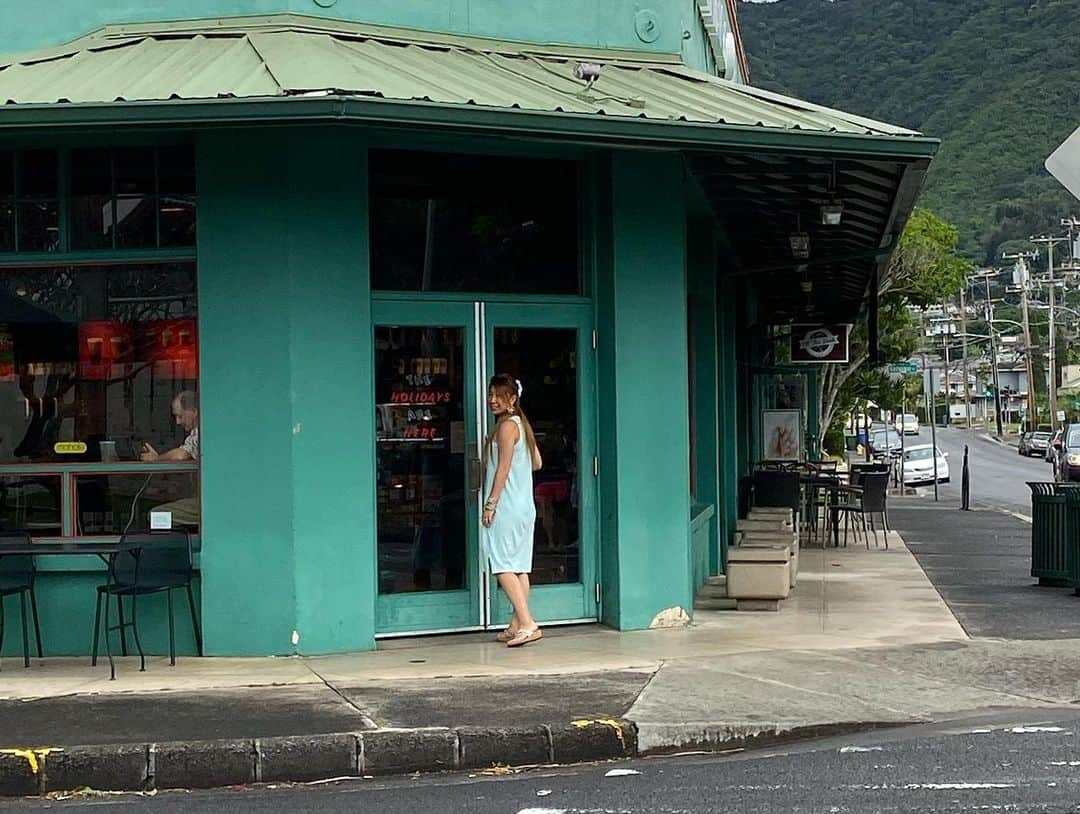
[{"x": 506, "y": 437}]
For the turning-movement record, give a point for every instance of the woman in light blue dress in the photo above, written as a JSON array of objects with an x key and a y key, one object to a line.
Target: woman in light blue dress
[{"x": 509, "y": 516}]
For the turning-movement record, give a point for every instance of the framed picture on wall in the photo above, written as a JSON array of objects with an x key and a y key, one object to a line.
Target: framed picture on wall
[{"x": 781, "y": 435}]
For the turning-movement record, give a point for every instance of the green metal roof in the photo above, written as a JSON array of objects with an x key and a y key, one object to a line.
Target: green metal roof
[{"x": 291, "y": 56}]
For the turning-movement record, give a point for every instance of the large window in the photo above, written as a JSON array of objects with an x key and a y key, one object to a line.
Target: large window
[
  {"x": 29, "y": 201},
  {"x": 130, "y": 198},
  {"x": 98, "y": 365},
  {"x": 134, "y": 198},
  {"x": 474, "y": 223}
]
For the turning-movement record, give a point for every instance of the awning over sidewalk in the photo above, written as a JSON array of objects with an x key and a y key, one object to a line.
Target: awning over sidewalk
[{"x": 767, "y": 162}]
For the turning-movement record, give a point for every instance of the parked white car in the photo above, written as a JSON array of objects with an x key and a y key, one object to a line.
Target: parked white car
[
  {"x": 907, "y": 424},
  {"x": 919, "y": 465}
]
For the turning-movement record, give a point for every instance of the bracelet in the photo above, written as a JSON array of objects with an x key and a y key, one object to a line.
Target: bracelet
[{"x": 490, "y": 506}]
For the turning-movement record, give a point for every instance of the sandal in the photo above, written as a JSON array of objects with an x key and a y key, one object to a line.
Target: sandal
[
  {"x": 505, "y": 635},
  {"x": 524, "y": 636}
]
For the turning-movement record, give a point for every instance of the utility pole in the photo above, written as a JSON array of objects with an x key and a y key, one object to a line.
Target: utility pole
[
  {"x": 1052, "y": 378},
  {"x": 964, "y": 350},
  {"x": 993, "y": 355},
  {"x": 945, "y": 346},
  {"x": 1021, "y": 259}
]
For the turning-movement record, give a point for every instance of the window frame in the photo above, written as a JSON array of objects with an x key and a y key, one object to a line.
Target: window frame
[{"x": 111, "y": 255}]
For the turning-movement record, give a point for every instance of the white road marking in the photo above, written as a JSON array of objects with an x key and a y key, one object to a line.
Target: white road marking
[
  {"x": 1018, "y": 515},
  {"x": 1035, "y": 730},
  {"x": 622, "y": 772},
  {"x": 931, "y": 786},
  {"x": 845, "y": 750}
]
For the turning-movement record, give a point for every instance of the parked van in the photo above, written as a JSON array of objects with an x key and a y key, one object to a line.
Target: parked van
[{"x": 907, "y": 424}]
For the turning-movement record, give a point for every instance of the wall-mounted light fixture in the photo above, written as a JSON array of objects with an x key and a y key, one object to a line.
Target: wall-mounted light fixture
[
  {"x": 800, "y": 245},
  {"x": 832, "y": 213}
]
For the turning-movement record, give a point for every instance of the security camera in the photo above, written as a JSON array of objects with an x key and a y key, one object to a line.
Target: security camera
[{"x": 588, "y": 71}]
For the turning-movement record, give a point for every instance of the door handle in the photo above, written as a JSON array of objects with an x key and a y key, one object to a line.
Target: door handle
[{"x": 476, "y": 471}]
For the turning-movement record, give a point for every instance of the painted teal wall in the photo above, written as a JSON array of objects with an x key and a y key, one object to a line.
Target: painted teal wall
[
  {"x": 67, "y": 592},
  {"x": 249, "y": 596},
  {"x": 332, "y": 390},
  {"x": 644, "y": 411},
  {"x": 732, "y": 421},
  {"x": 609, "y": 23},
  {"x": 286, "y": 387},
  {"x": 701, "y": 269}
]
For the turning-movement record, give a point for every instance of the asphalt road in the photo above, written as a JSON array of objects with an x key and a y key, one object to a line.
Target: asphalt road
[
  {"x": 1013, "y": 761},
  {"x": 999, "y": 475},
  {"x": 980, "y": 561}
]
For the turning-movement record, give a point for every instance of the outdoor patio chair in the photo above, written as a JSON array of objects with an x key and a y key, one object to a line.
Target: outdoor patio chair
[
  {"x": 17, "y": 574},
  {"x": 773, "y": 488},
  {"x": 147, "y": 563},
  {"x": 871, "y": 501}
]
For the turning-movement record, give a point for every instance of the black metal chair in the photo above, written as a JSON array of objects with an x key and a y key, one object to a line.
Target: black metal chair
[
  {"x": 777, "y": 488},
  {"x": 147, "y": 563},
  {"x": 872, "y": 500},
  {"x": 17, "y": 575}
]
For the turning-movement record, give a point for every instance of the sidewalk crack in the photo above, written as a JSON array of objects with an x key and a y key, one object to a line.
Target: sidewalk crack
[{"x": 367, "y": 721}]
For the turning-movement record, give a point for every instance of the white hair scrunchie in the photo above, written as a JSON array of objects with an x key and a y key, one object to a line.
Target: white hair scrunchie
[{"x": 520, "y": 388}]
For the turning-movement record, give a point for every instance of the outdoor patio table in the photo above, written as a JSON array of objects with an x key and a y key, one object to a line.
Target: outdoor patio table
[
  {"x": 100, "y": 548},
  {"x": 835, "y": 491},
  {"x": 812, "y": 485}
]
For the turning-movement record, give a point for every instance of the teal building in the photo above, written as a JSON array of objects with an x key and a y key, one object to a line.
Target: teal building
[{"x": 331, "y": 221}]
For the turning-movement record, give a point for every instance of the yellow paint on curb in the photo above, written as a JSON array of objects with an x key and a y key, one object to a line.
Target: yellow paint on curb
[
  {"x": 616, "y": 725},
  {"x": 35, "y": 757}
]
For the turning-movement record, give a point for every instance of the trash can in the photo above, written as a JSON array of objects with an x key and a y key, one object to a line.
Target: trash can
[
  {"x": 1049, "y": 533},
  {"x": 1072, "y": 540},
  {"x": 851, "y": 442}
]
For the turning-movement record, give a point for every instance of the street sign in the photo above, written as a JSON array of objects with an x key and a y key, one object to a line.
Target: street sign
[
  {"x": 1076, "y": 405},
  {"x": 903, "y": 368},
  {"x": 1060, "y": 415},
  {"x": 1064, "y": 163}
]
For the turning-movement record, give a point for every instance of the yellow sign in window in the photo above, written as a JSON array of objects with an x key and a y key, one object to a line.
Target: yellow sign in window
[{"x": 69, "y": 447}]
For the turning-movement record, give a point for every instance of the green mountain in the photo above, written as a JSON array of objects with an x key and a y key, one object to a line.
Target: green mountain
[{"x": 998, "y": 81}]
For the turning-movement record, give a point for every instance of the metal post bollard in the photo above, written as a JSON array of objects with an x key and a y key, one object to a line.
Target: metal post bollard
[{"x": 965, "y": 485}]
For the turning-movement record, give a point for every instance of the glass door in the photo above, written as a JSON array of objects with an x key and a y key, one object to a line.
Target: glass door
[
  {"x": 549, "y": 349},
  {"x": 427, "y": 475},
  {"x": 432, "y": 363}
]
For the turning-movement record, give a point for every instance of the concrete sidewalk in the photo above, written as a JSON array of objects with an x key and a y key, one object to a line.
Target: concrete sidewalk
[{"x": 864, "y": 641}]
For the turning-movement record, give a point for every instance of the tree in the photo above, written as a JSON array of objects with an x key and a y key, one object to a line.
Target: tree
[{"x": 925, "y": 269}]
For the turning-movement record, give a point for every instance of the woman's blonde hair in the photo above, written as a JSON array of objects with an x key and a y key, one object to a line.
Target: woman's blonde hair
[{"x": 509, "y": 388}]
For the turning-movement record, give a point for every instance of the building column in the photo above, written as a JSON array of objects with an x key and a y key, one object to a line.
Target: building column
[
  {"x": 333, "y": 417},
  {"x": 288, "y": 556},
  {"x": 247, "y": 559},
  {"x": 644, "y": 415}
]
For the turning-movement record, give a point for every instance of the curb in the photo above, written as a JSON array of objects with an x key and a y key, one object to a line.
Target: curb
[
  {"x": 380, "y": 753},
  {"x": 28, "y": 772},
  {"x": 668, "y": 739}
]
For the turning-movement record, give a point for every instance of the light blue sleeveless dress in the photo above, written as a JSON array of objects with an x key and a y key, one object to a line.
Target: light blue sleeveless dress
[{"x": 508, "y": 544}]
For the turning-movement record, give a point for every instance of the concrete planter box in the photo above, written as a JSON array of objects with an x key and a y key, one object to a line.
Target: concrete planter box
[
  {"x": 770, "y": 513},
  {"x": 759, "y": 572},
  {"x": 764, "y": 524},
  {"x": 774, "y": 538}
]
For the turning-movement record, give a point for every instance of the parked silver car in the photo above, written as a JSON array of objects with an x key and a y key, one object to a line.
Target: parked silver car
[{"x": 1034, "y": 443}]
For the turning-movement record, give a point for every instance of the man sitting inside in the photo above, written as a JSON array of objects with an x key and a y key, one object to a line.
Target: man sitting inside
[{"x": 185, "y": 410}]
